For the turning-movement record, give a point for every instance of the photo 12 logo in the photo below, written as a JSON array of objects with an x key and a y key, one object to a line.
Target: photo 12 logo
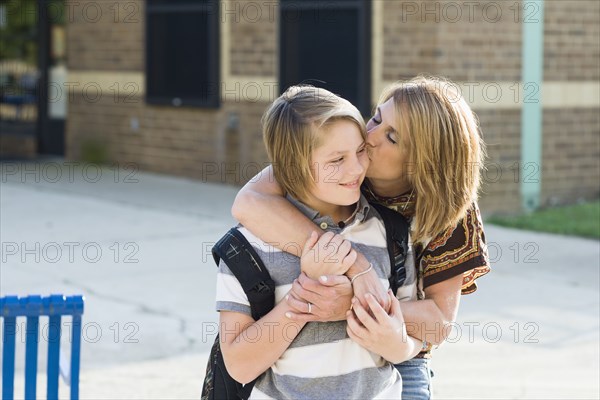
[{"x": 69, "y": 252}]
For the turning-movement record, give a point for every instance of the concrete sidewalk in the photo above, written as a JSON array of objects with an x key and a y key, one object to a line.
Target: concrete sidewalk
[{"x": 137, "y": 245}]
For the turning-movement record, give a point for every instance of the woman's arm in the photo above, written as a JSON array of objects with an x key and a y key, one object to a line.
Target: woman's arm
[
  {"x": 261, "y": 207},
  {"x": 431, "y": 319},
  {"x": 251, "y": 347}
]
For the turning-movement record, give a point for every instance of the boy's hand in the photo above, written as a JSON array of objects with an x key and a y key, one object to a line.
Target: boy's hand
[{"x": 330, "y": 254}]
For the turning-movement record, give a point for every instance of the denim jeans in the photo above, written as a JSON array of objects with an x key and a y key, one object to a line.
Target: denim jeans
[{"x": 416, "y": 379}]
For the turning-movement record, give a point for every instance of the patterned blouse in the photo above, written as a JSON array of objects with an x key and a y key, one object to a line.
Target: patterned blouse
[{"x": 457, "y": 250}]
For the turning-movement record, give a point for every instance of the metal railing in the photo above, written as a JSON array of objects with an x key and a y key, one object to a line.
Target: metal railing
[{"x": 33, "y": 307}]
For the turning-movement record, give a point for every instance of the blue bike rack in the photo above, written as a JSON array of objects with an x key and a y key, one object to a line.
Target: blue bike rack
[{"x": 33, "y": 307}]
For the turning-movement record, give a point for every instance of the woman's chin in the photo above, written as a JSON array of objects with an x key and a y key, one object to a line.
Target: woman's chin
[{"x": 373, "y": 176}]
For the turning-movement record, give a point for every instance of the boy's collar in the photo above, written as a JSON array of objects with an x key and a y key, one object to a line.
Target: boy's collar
[{"x": 361, "y": 211}]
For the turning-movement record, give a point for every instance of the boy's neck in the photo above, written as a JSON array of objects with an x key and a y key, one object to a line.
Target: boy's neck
[
  {"x": 341, "y": 213},
  {"x": 336, "y": 212}
]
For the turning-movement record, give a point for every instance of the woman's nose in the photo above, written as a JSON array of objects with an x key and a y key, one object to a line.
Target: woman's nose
[{"x": 372, "y": 137}]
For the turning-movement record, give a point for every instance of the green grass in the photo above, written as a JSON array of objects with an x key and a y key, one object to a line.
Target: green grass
[{"x": 577, "y": 220}]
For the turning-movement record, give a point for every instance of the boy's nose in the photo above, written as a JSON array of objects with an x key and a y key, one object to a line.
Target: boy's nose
[{"x": 358, "y": 168}]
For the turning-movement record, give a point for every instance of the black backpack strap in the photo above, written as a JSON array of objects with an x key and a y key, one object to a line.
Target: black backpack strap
[
  {"x": 396, "y": 231},
  {"x": 241, "y": 258}
]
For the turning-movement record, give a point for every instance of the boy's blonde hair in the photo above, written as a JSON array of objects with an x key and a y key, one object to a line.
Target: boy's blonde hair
[
  {"x": 293, "y": 127},
  {"x": 445, "y": 151}
]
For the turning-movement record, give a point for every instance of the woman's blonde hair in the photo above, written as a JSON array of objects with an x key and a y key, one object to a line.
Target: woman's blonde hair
[
  {"x": 291, "y": 127},
  {"x": 445, "y": 154}
]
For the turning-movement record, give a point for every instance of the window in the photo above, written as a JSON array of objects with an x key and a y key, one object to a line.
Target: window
[
  {"x": 327, "y": 44},
  {"x": 182, "y": 52}
]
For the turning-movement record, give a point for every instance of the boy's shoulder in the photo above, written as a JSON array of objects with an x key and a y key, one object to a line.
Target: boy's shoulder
[{"x": 254, "y": 241}]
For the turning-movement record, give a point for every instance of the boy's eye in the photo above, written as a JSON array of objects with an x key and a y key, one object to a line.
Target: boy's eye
[
  {"x": 337, "y": 160},
  {"x": 362, "y": 149}
]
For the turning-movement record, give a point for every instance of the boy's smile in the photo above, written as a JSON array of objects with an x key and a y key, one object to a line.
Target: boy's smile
[{"x": 338, "y": 165}]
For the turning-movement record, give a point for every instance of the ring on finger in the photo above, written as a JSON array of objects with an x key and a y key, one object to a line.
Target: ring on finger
[{"x": 309, "y": 308}]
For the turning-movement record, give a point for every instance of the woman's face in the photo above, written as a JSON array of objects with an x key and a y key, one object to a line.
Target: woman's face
[{"x": 388, "y": 147}]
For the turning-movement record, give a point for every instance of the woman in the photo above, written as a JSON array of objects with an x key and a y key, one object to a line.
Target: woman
[{"x": 426, "y": 153}]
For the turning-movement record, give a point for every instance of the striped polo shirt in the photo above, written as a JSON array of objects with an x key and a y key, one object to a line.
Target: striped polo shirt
[{"x": 322, "y": 362}]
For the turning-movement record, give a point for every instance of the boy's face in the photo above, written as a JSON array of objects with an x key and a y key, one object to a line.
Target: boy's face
[{"x": 339, "y": 166}]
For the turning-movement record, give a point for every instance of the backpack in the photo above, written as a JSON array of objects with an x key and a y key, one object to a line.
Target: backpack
[
  {"x": 241, "y": 258},
  {"x": 396, "y": 232}
]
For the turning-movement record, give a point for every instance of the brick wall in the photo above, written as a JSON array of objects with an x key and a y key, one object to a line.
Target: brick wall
[
  {"x": 570, "y": 169},
  {"x": 193, "y": 142},
  {"x": 502, "y": 135},
  {"x": 17, "y": 146},
  {"x": 570, "y": 156},
  {"x": 478, "y": 41},
  {"x": 572, "y": 40},
  {"x": 106, "y": 36},
  {"x": 225, "y": 145},
  {"x": 482, "y": 41},
  {"x": 188, "y": 142},
  {"x": 253, "y": 37}
]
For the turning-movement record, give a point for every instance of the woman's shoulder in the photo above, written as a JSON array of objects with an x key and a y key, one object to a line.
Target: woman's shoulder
[{"x": 460, "y": 249}]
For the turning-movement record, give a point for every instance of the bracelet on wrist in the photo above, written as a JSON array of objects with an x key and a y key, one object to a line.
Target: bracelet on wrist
[
  {"x": 426, "y": 346},
  {"x": 361, "y": 273}
]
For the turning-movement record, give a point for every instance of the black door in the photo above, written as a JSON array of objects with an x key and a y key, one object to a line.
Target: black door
[
  {"x": 19, "y": 68},
  {"x": 32, "y": 72},
  {"x": 327, "y": 44},
  {"x": 53, "y": 64}
]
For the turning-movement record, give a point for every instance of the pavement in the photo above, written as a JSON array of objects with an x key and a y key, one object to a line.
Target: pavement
[{"x": 137, "y": 246}]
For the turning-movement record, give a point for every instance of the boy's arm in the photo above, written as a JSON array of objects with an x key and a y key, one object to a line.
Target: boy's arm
[{"x": 251, "y": 347}]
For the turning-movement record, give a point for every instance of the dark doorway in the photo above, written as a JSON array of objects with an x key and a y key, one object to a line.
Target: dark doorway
[
  {"x": 327, "y": 44},
  {"x": 33, "y": 101}
]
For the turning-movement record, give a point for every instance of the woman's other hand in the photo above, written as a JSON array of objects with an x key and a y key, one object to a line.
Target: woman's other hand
[
  {"x": 380, "y": 332},
  {"x": 329, "y": 297}
]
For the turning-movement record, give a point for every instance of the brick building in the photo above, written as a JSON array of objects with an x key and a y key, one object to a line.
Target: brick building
[{"x": 179, "y": 86}]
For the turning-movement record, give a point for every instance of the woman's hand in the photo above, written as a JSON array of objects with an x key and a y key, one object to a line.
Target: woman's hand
[
  {"x": 329, "y": 254},
  {"x": 380, "y": 332},
  {"x": 329, "y": 297}
]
